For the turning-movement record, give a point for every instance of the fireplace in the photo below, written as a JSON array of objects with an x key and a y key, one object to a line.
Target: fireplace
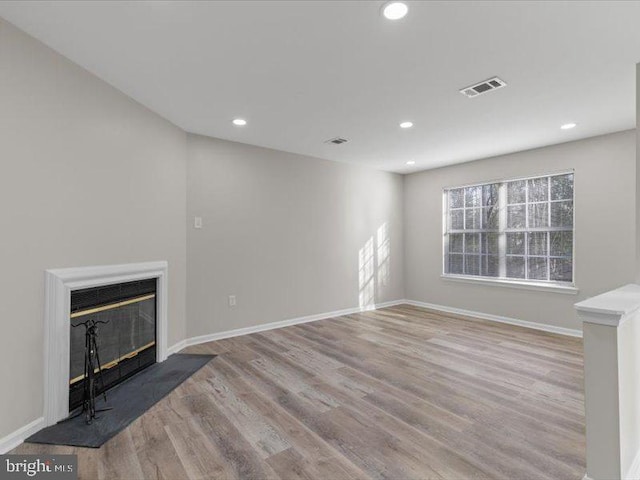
[
  {"x": 103, "y": 286},
  {"x": 127, "y": 339}
]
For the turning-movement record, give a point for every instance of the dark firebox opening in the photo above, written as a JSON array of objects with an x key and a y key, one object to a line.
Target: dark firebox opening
[{"x": 127, "y": 343}]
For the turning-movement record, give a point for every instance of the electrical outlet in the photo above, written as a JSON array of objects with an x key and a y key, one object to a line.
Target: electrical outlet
[
  {"x": 232, "y": 300},
  {"x": 197, "y": 222}
]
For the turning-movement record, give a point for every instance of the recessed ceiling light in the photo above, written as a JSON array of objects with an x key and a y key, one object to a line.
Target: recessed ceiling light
[
  {"x": 411, "y": 162},
  {"x": 568, "y": 126},
  {"x": 406, "y": 125},
  {"x": 239, "y": 122},
  {"x": 394, "y": 10}
]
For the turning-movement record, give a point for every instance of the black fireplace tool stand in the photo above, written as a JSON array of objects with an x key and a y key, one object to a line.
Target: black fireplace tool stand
[{"x": 92, "y": 372}]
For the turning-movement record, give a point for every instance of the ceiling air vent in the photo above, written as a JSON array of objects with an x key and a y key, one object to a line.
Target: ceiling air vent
[
  {"x": 337, "y": 141},
  {"x": 483, "y": 87}
]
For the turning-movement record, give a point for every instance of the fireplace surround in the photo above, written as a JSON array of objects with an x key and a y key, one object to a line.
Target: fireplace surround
[{"x": 59, "y": 285}]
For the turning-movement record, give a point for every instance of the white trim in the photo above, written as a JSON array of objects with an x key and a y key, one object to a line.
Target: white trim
[
  {"x": 612, "y": 308},
  {"x": 610, "y": 320},
  {"x": 516, "y": 179},
  {"x": 369, "y": 308},
  {"x": 616, "y": 304},
  {"x": 497, "y": 318},
  {"x": 498, "y": 282},
  {"x": 338, "y": 313},
  {"x": 634, "y": 469},
  {"x": 211, "y": 337},
  {"x": 17, "y": 437},
  {"x": 175, "y": 348},
  {"x": 59, "y": 284},
  {"x": 502, "y": 231},
  {"x": 14, "y": 439},
  {"x": 586, "y": 477}
]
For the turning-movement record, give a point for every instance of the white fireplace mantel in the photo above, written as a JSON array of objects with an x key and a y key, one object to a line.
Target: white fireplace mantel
[{"x": 59, "y": 285}]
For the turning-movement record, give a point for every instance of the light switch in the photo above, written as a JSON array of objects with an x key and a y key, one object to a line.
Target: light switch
[{"x": 197, "y": 222}]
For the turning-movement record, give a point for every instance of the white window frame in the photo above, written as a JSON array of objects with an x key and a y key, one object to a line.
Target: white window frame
[{"x": 502, "y": 280}]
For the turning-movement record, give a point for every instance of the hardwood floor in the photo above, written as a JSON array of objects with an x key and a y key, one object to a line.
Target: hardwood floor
[{"x": 398, "y": 393}]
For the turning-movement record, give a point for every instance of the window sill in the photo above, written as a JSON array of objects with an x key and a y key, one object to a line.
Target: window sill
[{"x": 542, "y": 287}]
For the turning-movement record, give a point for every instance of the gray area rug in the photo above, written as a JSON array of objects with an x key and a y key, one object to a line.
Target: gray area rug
[{"x": 129, "y": 400}]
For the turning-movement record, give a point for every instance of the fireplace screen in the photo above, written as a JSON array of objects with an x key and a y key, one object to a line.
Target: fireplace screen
[{"x": 126, "y": 343}]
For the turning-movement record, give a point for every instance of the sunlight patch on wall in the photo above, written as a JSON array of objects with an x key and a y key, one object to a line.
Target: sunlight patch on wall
[
  {"x": 383, "y": 256},
  {"x": 374, "y": 267},
  {"x": 366, "y": 276}
]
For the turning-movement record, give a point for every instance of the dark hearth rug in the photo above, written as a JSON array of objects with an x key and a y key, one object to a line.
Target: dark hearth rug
[{"x": 129, "y": 400}]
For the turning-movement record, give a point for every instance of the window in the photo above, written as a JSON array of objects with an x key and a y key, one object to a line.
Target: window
[{"x": 518, "y": 229}]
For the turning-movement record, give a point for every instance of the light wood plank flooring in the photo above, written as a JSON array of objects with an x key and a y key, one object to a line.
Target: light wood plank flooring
[{"x": 399, "y": 393}]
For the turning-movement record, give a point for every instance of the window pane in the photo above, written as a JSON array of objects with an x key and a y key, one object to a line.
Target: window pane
[
  {"x": 561, "y": 269},
  {"x": 455, "y": 243},
  {"x": 538, "y": 189},
  {"x": 537, "y": 243},
  {"x": 515, "y": 243},
  {"x": 490, "y": 243},
  {"x": 515, "y": 216},
  {"x": 472, "y": 264},
  {"x": 537, "y": 268},
  {"x": 490, "y": 266},
  {"x": 562, "y": 187},
  {"x": 490, "y": 194},
  {"x": 516, "y": 191},
  {"x": 562, "y": 214},
  {"x": 471, "y": 243},
  {"x": 562, "y": 244},
  {"x": 515, "y": 267},
  {"x": 455, "y": 264},
  {"x": 456, "y": 198},
  {"x": 472, "y": 218},
  {"x": 473, "y": 196},
  {"x": 490, "y": 218},
  {"x": 529, "y": 249},
  {"x": 538, "y": 215},
  {"x": 457, "y": 219}
]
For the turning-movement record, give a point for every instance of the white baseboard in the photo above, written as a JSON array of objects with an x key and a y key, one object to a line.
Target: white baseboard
[
  {"x": 279, "y": 324},
  {"x": 496, "y": 318},
  {"x": 338, "y": 313},
  {"x": 14, "y": 439},
  {"x": 177, "y": 347},
  {"x": 378, "y": 306}
]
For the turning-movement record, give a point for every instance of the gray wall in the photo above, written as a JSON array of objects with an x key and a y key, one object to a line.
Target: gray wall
[
  {"x": 605, "y": 215},
  {"x": 284, "y": 233},
  {"x": 89, "y": 177}
]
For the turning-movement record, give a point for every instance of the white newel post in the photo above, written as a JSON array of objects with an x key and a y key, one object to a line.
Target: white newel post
[
  {"x": 611, "y": 333},
  {"x": 59, "y": 285}
]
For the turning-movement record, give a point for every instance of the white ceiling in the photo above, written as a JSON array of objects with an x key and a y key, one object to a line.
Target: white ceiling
[{"x": 302, "y": 72}]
